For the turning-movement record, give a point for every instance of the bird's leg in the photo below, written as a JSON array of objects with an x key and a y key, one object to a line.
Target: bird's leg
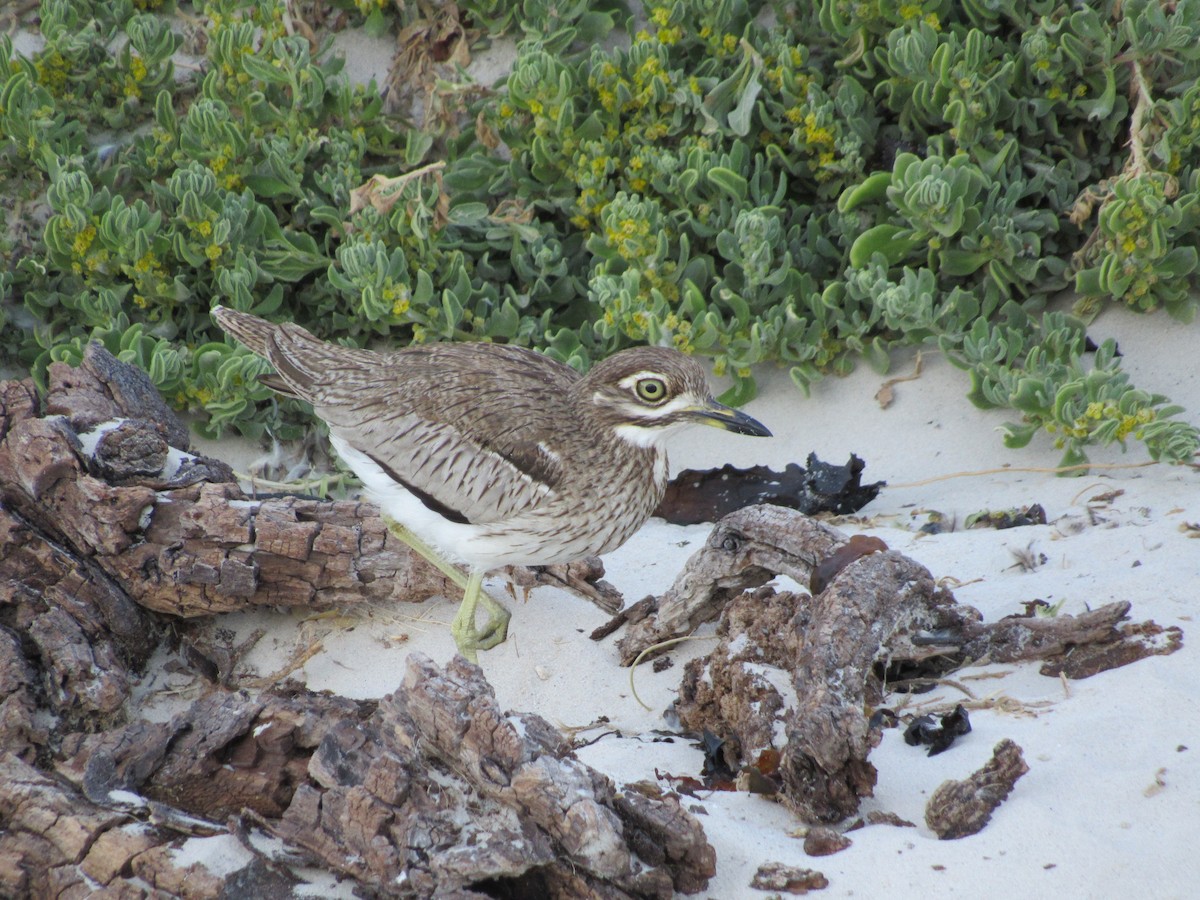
[
  {"x": 466, "y": 636},
  {"x": 453, "y": 572}
]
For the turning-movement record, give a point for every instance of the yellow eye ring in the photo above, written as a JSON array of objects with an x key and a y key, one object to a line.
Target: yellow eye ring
[{"x": 651, "y": 390}]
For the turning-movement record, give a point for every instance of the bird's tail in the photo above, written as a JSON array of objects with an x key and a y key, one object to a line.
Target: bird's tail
[
  {"x": 253, "y": 332},
  {"x": 300, "y": 359}
]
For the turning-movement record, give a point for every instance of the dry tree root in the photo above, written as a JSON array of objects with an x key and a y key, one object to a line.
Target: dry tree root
[{"x": 793, "y": 672}]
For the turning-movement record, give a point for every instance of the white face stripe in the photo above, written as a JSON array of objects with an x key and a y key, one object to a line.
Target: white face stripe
[
  {"x": 648, "y": 414},
  {"x": 640, "y": 436}
]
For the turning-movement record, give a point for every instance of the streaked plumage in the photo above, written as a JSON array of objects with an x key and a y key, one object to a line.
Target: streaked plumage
[{"x": 494, "y": 454}]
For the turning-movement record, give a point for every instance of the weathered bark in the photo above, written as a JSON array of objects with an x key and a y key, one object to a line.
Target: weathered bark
[
  {"x": 55, "y": 842},
  {"x": 745, "y": 550},
  {"x": 961, "y": 808},
  {"x": 793, "y": 672},
  {"x": 184, "y": 540},
  {"x": 429, "y": 792}
]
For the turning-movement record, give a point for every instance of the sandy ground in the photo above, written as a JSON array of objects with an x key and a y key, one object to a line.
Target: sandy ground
[{"x": 1113, "y": 792}]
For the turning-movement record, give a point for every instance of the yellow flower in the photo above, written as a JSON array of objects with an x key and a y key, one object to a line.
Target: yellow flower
[
  {"x": 146, "y": 263},
  {"x": 83, "y": 240}
]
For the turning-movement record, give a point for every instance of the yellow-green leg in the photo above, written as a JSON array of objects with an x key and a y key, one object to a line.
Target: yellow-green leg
[{"x": 467, "y": 637}]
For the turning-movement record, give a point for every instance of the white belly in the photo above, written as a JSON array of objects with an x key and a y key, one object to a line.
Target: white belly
[{"x": 472, "y": 545}]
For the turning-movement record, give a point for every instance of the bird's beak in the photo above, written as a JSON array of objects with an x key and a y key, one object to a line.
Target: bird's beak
[{"x": 721, "y": 416}]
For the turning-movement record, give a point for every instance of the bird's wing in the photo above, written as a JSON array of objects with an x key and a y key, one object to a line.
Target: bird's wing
[{"x": 468, "y": 428}]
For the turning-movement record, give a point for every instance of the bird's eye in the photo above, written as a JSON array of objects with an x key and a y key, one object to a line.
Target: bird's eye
[{"x": 652, "y": 390}]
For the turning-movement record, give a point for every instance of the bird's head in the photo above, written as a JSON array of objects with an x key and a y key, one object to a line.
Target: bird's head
[{"x": 644, "y": 392}]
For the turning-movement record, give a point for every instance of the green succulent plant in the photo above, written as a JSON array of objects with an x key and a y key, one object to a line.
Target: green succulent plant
[{"x": 810, "y": 188}]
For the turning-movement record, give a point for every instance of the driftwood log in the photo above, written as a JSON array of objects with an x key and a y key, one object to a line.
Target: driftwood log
[
  {"x": 432, "y": 791},
  {"x": 110, "y": 533},
  {"x": 795, "y": 672},
  {"x": 101, "y": 472}
]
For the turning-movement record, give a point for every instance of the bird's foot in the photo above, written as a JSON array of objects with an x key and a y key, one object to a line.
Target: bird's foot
[{"x": 470, "y": 639}]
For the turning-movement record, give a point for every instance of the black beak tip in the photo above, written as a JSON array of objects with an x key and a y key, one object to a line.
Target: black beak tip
[
  {"x": 740, "y": 423},
  {"x": 753, "y": 428}
]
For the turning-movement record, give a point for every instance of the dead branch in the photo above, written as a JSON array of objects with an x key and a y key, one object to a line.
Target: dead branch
[{"x": 794, "y": 672}]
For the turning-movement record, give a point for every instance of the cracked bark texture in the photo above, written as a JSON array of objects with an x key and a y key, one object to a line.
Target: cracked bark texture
[
  {"x": 959, "y": 809},
  {"x": 186, "y": 541},
  {"x": 794, "y": 671},
  {"x": 431, "y": 792}
]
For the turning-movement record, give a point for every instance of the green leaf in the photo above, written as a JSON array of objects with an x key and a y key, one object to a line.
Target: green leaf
[
  {"x": 268, "y": 186},
  {"x": 886, "y": 239},
  {"x": 869, "y": 191},
  {"x": 729, "y": 181}
]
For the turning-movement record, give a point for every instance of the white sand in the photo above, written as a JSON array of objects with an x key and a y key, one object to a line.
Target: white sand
[{"x": 1091, "y": 818}]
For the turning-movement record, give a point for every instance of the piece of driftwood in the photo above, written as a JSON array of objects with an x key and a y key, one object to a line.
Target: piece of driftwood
[
  {"x": 1138, "y": 641},
  {"x": 99, "y": 480},
  {"x": 794, "y": 671},
  {"x": 745, "y": 550},
  {"x": 584, "y": 578},
  {"x": 100, "y": 474},
  {"x": 774, "y": 876},
  {"x": 431, "y": 792},
  {"x": 961, "y": 808},
  {"x": 57, "y": 843}
]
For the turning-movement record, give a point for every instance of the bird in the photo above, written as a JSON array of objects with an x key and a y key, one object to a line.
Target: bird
[{"x": 487, "y": 454}]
